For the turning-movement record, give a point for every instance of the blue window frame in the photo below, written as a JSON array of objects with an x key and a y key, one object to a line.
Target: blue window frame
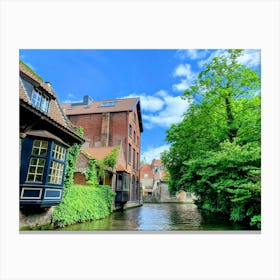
[
  {"x": 40, "y": 100},
  {"x": 42, "y": 171},
  {"x": 37, "y": 98}
]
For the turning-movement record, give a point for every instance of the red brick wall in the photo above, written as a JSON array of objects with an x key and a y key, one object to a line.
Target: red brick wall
[
  {"x": 118, "y": 132},
  {"x": 91, "y": 125},
  {"x": 79, "y": 178}
]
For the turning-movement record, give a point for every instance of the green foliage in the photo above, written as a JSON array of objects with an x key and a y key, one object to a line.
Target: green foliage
[
  {"x": 73, "y": 153},
  {"x": 97, "y": 168},
  {"x": 215, "y": 151},
  {"x": 31, "y": 70},
  {"x": 91, "y": 173},
  {"x": 111, "y": 159},
  {"x": 83, "y": 203},
  {"x": 256, "y": 221}
]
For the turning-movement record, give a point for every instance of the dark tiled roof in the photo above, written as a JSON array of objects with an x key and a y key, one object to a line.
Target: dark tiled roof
[
  {"x": 118, "y": 105},
  {"x": 55, "y": 113}
]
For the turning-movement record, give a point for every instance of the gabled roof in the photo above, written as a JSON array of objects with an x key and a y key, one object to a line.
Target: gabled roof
[
  {"x": 156, "y": 162},
  {"x": 97, "y": 152},
  {"x": 55, "y": 115},
  {"x": 103, "y": 106},
  {"x": 146, "y": 167}
]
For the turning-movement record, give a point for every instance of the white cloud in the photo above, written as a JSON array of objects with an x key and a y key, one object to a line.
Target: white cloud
[
  {"x": 216, "y": 53},
  {"x": 250, "y": 58},
  {"x": 184, "y": 70},
  {"x": 148, "y": 102},
  {"x": 161, "y": 109},
  {"x": 172, "y": 112},
  {"x": 192, "y": 54},
  {"x": 153, "y": 153}
]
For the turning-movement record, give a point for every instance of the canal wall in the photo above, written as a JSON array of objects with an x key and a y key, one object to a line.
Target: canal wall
[
  {"x": 163, "y": 196},
  {"x": 35, "y": 217}
]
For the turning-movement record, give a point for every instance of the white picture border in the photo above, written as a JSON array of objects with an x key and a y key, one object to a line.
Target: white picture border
[{"x": 139, "y": 24}]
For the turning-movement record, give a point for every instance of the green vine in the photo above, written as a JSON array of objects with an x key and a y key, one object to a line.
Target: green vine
[
  {"x": 73, "y": 154},
  {"x": 97, "y": 168},
  {"x": 91, "y": 173}
]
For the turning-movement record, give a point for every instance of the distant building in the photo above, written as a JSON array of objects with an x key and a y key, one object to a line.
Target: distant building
[
  {"x": 108, "y": 124},
  {"x": 45, "y": 136},
  {"x": 150, "y": 177},
  {"x": 154, "y": 185}
]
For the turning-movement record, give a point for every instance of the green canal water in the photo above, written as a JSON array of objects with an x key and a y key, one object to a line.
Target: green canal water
[{"x": 158, "y": 217}]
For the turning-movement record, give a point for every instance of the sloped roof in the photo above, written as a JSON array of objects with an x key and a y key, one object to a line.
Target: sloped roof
[
  {"x": 104, "y": 106},
  {"x": 97, "y": 152},
  {"x": 55, "y": 113},
  {"x": 156, "y": 162},
  {"x": 146, "y": 167},
  {"x": 120, "y": 105}
]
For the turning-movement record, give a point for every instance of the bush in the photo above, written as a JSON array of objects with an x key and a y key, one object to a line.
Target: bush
[{"x": 83, "y": 203}]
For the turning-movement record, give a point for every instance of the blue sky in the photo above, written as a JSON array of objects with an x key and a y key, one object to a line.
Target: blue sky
[{"x": 158, "y": 77}]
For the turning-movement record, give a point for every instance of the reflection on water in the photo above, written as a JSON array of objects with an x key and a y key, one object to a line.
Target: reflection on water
[{"x": 158, "y": 217}]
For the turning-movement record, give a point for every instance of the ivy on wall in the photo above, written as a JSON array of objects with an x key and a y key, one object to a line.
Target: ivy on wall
[
  {"x": 97, "y": 168},
  {"x": 73, "y": 154}
]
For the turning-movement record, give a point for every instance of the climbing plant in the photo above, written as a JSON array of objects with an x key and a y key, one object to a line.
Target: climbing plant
[
  {"x": 91, "y": 173},
  {"x": 97, "y": 168},
  {"x": 73, "y": 154}
]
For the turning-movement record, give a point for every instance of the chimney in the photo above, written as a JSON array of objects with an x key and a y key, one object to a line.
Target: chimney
[
  {"x": 87, "y": 100},
  {"x": 48, "y": 84}
]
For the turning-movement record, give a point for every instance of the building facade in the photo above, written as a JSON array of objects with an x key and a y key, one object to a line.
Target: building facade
[
  {"x": 113, "y": 123},
  {"x": 150, "y": 177},
  {"x": 45, "y": 136}
]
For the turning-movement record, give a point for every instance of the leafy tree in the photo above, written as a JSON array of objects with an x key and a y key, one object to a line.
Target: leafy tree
[{"x": 215, "y": 150}]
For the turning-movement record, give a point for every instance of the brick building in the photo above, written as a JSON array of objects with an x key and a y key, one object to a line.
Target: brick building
[
  {"x": 150, "y": 177},
  {"x": 113, "y": 123}
]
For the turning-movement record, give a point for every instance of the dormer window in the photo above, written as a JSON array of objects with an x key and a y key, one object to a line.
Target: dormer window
[{"x": 40, "y": 100}]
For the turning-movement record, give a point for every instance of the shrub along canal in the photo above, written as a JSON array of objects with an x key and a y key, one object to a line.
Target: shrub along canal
[{"x": 158, "y": 217}]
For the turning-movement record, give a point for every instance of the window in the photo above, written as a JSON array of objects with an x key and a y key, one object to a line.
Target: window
[
  {"x": 58, "y": 152},
  {"x": 129, "y": 153},
  {"x": 56, "y": 172},
  {"x": 146, "y": 175},
  {"x": 108, "y": 104},
  {"x": 133, "y": 163},
  {"x": 134, "y": 117},
  {"x": 36, "y": 170},
  {"x": 41, "y": 172},
  {"x": 134, "y": 137},
  {"x": 40, "y": 147},
  {"x": 137, "y": 161},
  {"x": 57, "y": 165},
  {"x": 130, "y": 130},
  {"x": 37, "y": 161},
  {"x": 40, "y": 100}
]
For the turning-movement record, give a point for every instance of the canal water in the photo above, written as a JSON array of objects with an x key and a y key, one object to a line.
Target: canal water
[{"x": 158, "y": 217}]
